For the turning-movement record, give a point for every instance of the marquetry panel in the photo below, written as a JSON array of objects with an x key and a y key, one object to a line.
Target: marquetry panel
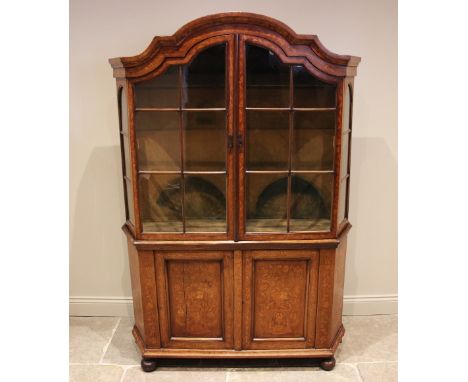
[
  {"x": 280, "y": 291},
  {"x": 195, "y": 292},
  {"x": 195, "y": 297}
]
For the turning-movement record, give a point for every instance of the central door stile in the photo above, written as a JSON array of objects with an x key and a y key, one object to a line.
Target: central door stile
[
  {"x": 240, "y": 135},
  {"x": 235, "y": 112}
]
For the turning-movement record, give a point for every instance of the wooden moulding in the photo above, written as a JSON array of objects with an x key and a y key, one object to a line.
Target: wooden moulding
[
  {"x": 225, "y": 354},
  {"x": 230, "y": 245},
  {"x": 235, "y": 23}
]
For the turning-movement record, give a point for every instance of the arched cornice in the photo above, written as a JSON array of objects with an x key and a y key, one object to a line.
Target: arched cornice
[{"x": 177, "y": 45}]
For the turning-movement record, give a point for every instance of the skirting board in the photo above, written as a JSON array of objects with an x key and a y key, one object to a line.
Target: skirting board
[{"x": 359, "y": 305}]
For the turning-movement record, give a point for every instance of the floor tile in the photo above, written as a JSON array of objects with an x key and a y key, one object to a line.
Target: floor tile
[
  {"x": 381, "y": 371},
  {"x": 123, "y": 350},
  {"x": 95, "y": 373},
  {"x": 135, "y": 374},
  {"x": 89, "y": 336},
  {"x": 369, "y": 339},
  {"x": 340, "y": 373}
]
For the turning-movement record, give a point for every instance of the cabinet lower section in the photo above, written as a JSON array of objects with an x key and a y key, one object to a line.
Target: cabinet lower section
[{"x": 239, "y": 303}]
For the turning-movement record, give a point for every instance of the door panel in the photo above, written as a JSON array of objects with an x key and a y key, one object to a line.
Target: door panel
[
  {"x": 195, "y": 293},
  {"x": 280, "y": 298},
  {"x": 287, "y": 125},
  {"x": 183, "y": 124}
]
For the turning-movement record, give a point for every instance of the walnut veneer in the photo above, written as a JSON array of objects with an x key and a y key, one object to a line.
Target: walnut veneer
[{"x": 235, "y": 136}]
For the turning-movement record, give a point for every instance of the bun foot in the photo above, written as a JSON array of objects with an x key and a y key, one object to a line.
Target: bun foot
[
  {"x": 328, "y": 364},
  {"x": 148, "y": 365}
]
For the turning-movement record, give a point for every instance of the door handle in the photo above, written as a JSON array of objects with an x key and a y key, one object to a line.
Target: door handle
[
  {"x": 240, "y": 142},
  {"x": 230, "y": 142}
]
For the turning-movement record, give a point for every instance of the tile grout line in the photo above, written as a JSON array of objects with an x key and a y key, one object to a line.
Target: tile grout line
[
  {"x": 355, "y": 366},
  {"x": 104, "y": 350},
  {"x": 124, "y": 372},
  {"x": 100, "y": 364},
  {"x": 358, "y": 362}
]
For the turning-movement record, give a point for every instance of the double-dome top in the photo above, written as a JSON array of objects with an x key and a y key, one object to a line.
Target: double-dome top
[{"x": 279, "y": 37}]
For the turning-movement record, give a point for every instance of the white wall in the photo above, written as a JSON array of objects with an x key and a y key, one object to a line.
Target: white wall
[{"x": 99, "y": 276}]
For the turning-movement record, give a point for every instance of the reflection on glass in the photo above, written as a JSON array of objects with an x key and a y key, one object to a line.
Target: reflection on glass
[
  {"x": 267, "y": 78},
  {"x": 158, "y": 140},
  {"x": 204, "y": 79},
  {"x": 123, "y": 109},
  {"x": 342, "y": 201},
  {"x": 160, "y": 203},
  {"x": 159, "y": 92},
  {"x": 204, "y": 140},
  {"x": 266, "y": 202},
  {"x": 311, "y": 201},
  {"x": 313, "y": 146},
  {"x": 344, "y": 155},
  {"x": 130, "y": 209},
  {"x": 309, "y": 91},
  {"x": 127, "y": 158},
  {"x": 205, "y": 203},
  {"x": 267, "y": 140}
]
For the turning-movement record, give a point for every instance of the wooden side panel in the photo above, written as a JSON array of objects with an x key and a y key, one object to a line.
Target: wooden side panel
[
  {"x": 337, "y": 308},
  {"x": 330, "y": 299},
  {"x": 149, "y": 299},
  {"x": 136, "y": 286},
  {"x": 280, "y": 291},
  {"x": 195, "y": 292}
]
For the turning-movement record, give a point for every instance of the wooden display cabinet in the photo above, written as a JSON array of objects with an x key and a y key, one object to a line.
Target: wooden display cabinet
[{"x": 236, "y": 137}]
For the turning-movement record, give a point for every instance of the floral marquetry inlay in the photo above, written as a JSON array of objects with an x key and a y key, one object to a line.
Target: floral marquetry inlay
[{"x": 280, "y": 295}]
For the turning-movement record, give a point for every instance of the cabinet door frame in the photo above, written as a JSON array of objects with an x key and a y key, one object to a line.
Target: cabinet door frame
[
  {"x": 288, "y": 54},
  {"x": 310, "y": 303},
  {"x": 225, "y": 258},
  {"x": 182, "y": 56}
]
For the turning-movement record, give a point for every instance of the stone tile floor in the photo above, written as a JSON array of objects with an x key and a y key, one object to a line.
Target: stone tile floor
[{"x": 102, "y": 349}]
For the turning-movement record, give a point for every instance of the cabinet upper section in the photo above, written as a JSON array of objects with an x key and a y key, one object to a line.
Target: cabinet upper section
[
  {"x": 235, "y": 128},
  {"x": 291, "y": 47}
]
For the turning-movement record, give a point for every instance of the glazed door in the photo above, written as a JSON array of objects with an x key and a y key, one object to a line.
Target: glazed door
[
  {"x": 287, "y": 123},
  {"x": 183, "y": 124},
  {"x": 195, "y": 299},
  {"x": 280, "y": 299}
]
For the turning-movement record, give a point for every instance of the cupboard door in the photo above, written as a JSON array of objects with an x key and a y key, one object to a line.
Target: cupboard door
[
  {"x": 280, "y": 299},
  {"x": 195, "y": 293},
  {"x": 287, "y": 123},
  {"x": 183, "y": 118}
]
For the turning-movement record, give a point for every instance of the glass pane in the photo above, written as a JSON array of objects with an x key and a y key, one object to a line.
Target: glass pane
[
  {"x": 347, "y": 110},
  {"x": 158, "y": 140},
  {"x": 344, "y": 155},
  {"x": 309, "y": 91},
  {"x": 161, "y": 91},
  {"x": 267, "y": 79},
  {"x": 342, "y": 201},
  {"x": 204, "y": 140},
  {"x": 123, "y": 109},
  {"x": 313, "y": 146},
  {"x": 267, "y": 140},
  {"x": 205, "y": 203},
  {"x": 266, "y": 202},
  {"x": 130, "y": 209},
  {"x": 311, "y": 202},
  {"x": 127, "y": 158},
  {"x": 160, "y": 203},
  {"x": 204, "y": 79}
]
